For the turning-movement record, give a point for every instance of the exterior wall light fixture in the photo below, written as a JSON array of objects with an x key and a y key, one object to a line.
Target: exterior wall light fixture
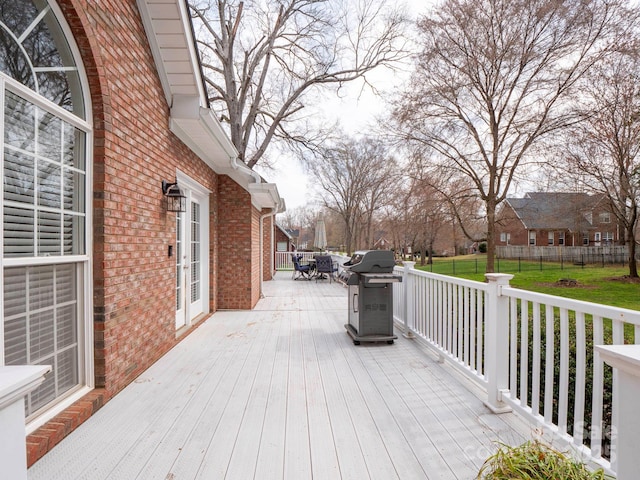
[{"x": 175, "y": 201}]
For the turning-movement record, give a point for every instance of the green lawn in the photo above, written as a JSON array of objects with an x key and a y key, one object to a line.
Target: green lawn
[{"x": 595, "y": 283}]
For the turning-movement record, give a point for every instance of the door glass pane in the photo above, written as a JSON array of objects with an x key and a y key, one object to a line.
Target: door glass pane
[
  {"x": 178, "y": 261},
  {"x": 195, "y": 252}
]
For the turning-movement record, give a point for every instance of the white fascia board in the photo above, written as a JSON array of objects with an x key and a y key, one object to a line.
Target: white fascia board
[
  {"x": 200, "y": 131},
  {"x": 198, "y": 128}
]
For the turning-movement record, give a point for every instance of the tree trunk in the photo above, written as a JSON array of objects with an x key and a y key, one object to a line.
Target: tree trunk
[{"x": 633, "y": 266}]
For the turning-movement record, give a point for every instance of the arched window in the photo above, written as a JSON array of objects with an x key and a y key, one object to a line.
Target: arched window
[{"x": 44, "y": 159}]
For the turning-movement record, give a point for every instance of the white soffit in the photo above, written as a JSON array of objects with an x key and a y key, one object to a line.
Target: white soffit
[
  {"x": 168, "y": 27},
  {"x": 265, "y": 195}
]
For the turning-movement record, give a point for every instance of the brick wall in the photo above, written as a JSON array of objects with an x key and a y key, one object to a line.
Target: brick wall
[
  {"x": 134, "y": 279},
  {"x": 134, "y": 296},
  {"x": 238, "y": 261},
  {"x": 255, "y": 256},
  {"x": 267, "y": 255}
]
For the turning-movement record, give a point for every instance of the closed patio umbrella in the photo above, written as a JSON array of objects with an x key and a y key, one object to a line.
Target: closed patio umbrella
[{"x": 320, "y": 240}]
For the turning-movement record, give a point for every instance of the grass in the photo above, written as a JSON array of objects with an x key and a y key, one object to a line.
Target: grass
[
  {"x": 535, "y": 461},
  {"x": 606, "y": 285}
]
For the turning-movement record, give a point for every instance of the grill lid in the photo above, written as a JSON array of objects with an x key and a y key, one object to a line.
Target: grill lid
[{"x": 371, "y": 261}]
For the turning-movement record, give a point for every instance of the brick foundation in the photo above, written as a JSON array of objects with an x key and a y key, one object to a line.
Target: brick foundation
[{"x": 50, "y": 434}]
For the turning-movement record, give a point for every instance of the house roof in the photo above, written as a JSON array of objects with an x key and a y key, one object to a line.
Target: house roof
[
  {"x": 554, "y": 210},
  {"x": 169, "y": 30},
  {"x": 285, "y": 231}
]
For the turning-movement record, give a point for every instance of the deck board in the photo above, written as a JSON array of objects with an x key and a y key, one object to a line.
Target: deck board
[{"x": 281, "y": 392}]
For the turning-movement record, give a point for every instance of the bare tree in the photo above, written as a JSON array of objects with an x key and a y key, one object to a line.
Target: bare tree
[
  {"x": 261, "y": 59},
  {"x": 491, "y": 80},
  {"x": 605, "y": 150},
  {"x": 356, "y": 178}
]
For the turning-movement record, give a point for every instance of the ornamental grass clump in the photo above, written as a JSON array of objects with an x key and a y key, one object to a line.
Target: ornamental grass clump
[{"x": 535, "y": 461}]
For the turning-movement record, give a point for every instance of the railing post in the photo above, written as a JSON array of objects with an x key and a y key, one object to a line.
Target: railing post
[
  {"x": 408, "y": 299},
  {"x": 497, "y": 342},
  {"x": 625, "y": 359},
  {"x": 15, "y": 383}
]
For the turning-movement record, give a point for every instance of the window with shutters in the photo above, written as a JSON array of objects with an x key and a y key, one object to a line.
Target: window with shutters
[{"x": 44, "y": 163}]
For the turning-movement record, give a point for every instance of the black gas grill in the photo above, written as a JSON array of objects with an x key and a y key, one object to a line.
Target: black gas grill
[{"x": 369, "y": 277}]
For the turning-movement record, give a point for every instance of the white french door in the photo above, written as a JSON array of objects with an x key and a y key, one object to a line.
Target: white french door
[{"x": 192, "y": 254}]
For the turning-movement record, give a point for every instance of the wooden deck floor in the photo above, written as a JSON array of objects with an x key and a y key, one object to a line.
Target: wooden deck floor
[{"x": 282, "y": 392}]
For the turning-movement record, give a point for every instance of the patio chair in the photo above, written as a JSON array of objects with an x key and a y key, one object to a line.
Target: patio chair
[
  {"x": 324, "y": 264},
  {"x": 300, "y": 271}
]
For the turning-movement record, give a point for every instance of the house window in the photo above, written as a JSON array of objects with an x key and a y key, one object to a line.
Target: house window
[
  {"x": 597, "y": 237},
  {"x": 561, "y": 238},
  {"x": 281, "y": 247},
  {"x": 605, "y": 217},
  {"x": 607, "y": 237},
  {"x": 550, "y": 237},
  {"x": 532, "y": 238},
  {"x": 44, "y": 161},
  {"x": 585, "y": 239}
]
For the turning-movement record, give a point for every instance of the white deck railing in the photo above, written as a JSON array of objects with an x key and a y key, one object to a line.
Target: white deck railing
[
  {"x": 531, "y": 352},
  {"x": 283, "y": 260}
]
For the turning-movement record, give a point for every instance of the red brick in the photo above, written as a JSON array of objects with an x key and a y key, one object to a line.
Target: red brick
[{"x": 133, "y": 278}]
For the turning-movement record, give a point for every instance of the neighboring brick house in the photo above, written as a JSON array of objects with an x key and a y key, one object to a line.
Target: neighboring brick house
[
  {"x": 102, "y": 101},
  {"x": 556, "y": 219},
  {"x": 284, "y": 240}
]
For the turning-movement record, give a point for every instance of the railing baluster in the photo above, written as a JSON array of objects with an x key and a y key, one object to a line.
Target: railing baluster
[
  {"x": 618, "y": 339},
  {"x": 460, "y": 315},
  {"x": 482, "y": 309},
  {"x": 549, "y": 320},
  {"x": 473, "y": 320},
  {"x": 449, "y": 316},
  {"x": 536, "y": 345},
  {"x": 441, "y": 314},
  {"x": 581, "y": 367},
  {"x": 465, "y": 340},
  {"x": 564, "y": 371},
  {"x": 524, "y": 353},
  {"x": 598, "y": 390},
  {"x": 513, "y": 347},
  {"x": 429, "y": 329}
]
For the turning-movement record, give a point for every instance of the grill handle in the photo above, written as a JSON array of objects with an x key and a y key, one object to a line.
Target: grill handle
[{"x": 354, "y": 303}]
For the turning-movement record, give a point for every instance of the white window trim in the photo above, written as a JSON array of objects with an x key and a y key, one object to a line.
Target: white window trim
[{"x": 86, "y": 368}]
